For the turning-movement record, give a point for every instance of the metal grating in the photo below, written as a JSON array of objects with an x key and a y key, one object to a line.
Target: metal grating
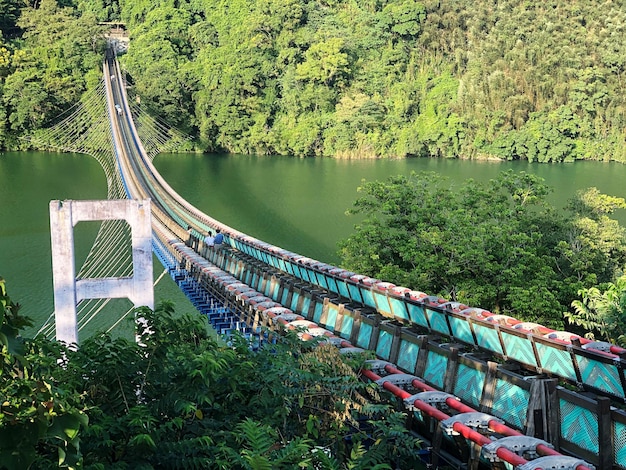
[
  {"x": 383, "y": 348},
  {"x": 436, "y": 365},
  {"x": 407, "y": 357},
  {"x": 579, "y": 426},
  {"x": 619, "y": 443},
  {"x": 512, "y": 403},
  {"x": 469, "y": 384},
  {"x": 600, "y": 375}
]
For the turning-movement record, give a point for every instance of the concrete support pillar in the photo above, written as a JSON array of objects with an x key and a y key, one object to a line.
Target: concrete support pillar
[
  {"x": 68, "y": 290},
  {"x": 63, "y": 271}
]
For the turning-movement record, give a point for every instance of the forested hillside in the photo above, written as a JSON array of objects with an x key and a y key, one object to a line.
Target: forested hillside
[{"x": 512, "y": 79}]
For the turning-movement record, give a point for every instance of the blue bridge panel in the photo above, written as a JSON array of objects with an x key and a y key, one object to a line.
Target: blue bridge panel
[
  {"x": 519, "y": 348},
  {"x": 317, "y": 312},
  {"x": 416, "y": 314},
  {"x": 436, "y": 366},
  {"x": 619, "y": 440},
  {"x": 579, "y": 426},
  {"x": 438, "y": 321},
  {"x": 487, "y": 337},
  {"x": 510, "y": 403},
  {"x": 460, "y": 329},
  {"x": 469, "y": 384},
  {"x": 407, "y": 356},
  {"x": 556, "y": 360},
  {"x": 600, "y": 375},
  {"x": 354, "y": 293},
  {"x": 347, "y": 323},
  {"x": 364, "y": 337},
  {"x": 331, "y": 317},
  {"x": 383, "y": 348},
  {"x": 368, "y": 297},
  {"x": 398, "y": 308}
]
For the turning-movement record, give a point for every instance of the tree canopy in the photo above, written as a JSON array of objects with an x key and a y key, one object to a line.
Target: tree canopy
[
  {"x": 499, "y": 246},
  {"x": 186, "y": 400},
  {"x": 344, "y": 78}
]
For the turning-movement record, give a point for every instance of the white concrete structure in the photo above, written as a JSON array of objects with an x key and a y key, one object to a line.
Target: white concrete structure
[{"x": 69, "y": 291}]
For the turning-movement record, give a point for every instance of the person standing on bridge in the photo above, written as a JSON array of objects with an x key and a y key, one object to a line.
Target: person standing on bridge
[
  {"x": 192, "y": 240},
  {"x": 219, "y": 239},
  {"x": 209, "y": 242}
]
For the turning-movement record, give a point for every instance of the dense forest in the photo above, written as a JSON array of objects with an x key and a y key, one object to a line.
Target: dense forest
[{"x": 542, "y": 81}]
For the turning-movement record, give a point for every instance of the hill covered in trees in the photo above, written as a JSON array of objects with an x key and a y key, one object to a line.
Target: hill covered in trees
[{"x": 513, "y": 79}]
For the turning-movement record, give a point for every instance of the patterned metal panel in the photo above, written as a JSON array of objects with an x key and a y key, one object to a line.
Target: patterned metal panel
[
  {"x": 416, "y": 314},
  {"x": 332, "y": 284},
  {"x": 365, "y": 335},
  {"x": 289, "y": 267},
  {"x": 600, "y": 375},
  {"x": 368, "y": 298},
  {"x": 579, "y": 426},
  {"x": 510, "y": 403},
  {"x": 296, "y": 271},
  {"x": 283, "y": 299},
  {"x": 354, "y": 293},
  {"x": 382, "y": 304},
  {"x": 321, "y": 280},
  {"x": 469, "y": 384},
  {"x": 407, "y": 356},
  {"x": 487, "y": 338},
  {"x": 294, "y": 300},
  {"x": 619, "y": 441},
  {"x": 436, "y": 365},
  {"x": 342, "y": 287},
  {"x": 311, "y": 275},
  {"x": 383, "y": 348},
  {"x": 306, "y": 302},
  {"x": 317, "y": 313},
  {"x": 266, "y": 290},
  {"x": 556, "y": 360},
  {"x": 461, "y": 330},
  {"x": 519, "y": 348},
  {"x": 398, "y": 309},
  {"x": 438, "y": 321},
  {"x": 346, "y": 326},
  {"x": 331, "y": 318}
]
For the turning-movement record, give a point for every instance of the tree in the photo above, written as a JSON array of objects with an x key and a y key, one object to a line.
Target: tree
[
  {"x": 602, "y": 312},
  {"x": 185, "y": 399},
  {"x": 39, "y": 418},
  {"x": 498, "y": 246}
]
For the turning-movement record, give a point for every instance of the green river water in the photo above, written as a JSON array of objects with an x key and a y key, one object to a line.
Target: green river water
[{"x": 298, "y": 204}]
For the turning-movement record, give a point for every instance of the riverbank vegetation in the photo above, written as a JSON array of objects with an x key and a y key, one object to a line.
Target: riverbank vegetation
[
  {"x": 499, "y": 246},
  {"x": 345, "y": 78},
  {"x": 185, "y": 401}
]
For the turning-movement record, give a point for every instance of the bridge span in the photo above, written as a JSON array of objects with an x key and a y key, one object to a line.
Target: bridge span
[{"x": 485, "y": 390}]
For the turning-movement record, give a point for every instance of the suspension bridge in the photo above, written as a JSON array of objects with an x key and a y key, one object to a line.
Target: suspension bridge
[{"x": 482, "y": 390}]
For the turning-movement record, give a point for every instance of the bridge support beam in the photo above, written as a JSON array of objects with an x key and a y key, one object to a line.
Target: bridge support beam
[{"x": 68, "y": 290}]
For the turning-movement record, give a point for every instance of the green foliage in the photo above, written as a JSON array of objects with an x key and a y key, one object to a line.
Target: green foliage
[
  {"x": 602, "y": 312},
  {"x": 185, "y": 400},
  {"x": 40, "y": 420},
  {"x": 498, "y": 246},
  {"x": 49, "y": 65},
  {"x": 469, "y": 79}
]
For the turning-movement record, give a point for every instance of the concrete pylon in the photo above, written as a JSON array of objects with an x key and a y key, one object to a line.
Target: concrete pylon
[{"x": 68, "y": 291}]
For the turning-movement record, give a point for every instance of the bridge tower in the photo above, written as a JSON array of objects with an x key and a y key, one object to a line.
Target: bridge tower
[{"x": 69, "y": 291}]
